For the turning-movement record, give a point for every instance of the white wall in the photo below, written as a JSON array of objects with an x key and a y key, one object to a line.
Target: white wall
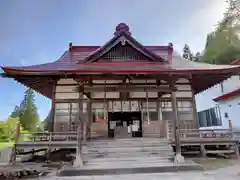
[
  {"x": 204, "y": 100},
  {"x": 232, "y": 107}
]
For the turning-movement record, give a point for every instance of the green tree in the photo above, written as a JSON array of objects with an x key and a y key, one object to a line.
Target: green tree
[
  {"x": 3, "y": 132},
  {"x": 186, "y": 52},
  {"x": 16, "y": 112},
  {"x": 47, "y": 122},
  {"x": 29, "y": 117},
  {"x": 223, "y": 45},
  {"x": 8, "y": 129},
  {"x": 209, "y": 39},
  {"x": 197, "y": 57}
]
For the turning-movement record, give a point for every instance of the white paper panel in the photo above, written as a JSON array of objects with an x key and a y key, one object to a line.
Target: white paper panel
[
  {"x": 67, "y": 95},
  {"x": 116, "y": 106},
  {"x": 112, "y": 94},
  {"x": 152, "y": 94},
  {"x": 183, "y": 94},
  {"x": 184, "y": 87},
  {"x": 98, "y": 95},
  {"x": 107, "y": 81},
  {"x": 125, "y": 106},
  {"x": 97, "y": 105},
  {"x": 84, "y": 107},
  {"x": 67, "y": 81},
  {"x": 182, "y": 80},
  {"x": 143, "y": 81},
  {"x": 134, "y": 106},
  {"x": 138, "y": 94},
  {"x": 166, "y": 96},
  {"x": 62, "y": 118},
  {"x": 66, "y": 88}
]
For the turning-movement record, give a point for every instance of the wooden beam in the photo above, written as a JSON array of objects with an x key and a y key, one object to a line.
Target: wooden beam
[
  {"x": 118, "y": 99},
  {"x": 128, "y": 88}
]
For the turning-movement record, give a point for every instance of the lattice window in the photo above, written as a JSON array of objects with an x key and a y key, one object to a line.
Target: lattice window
[
  {"x": 184, "y": 106},
  {"x": 166, "y": 105},
  {"x": 62, "y": 127}
]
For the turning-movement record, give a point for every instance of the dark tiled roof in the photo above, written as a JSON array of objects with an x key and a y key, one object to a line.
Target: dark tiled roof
[{"x": 73, "y": 61}]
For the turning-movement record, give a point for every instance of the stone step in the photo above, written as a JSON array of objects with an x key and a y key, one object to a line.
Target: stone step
[
  {"x": 126, "y": 145},
  {"x": 126, "y": 155},
  {"x": 128, "y": 141},
  {"x": 127, "y": 159},
  {"x": 124, "y": 149},
  {"x": 152, "y": 152}
]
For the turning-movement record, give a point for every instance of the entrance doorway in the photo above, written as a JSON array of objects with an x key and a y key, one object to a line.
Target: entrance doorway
[{"x": 124, "y": 124}]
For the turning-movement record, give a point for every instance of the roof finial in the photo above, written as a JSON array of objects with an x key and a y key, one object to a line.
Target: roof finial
[
  {"x": 120, "y": 28},
  {"x": 70, "y": 46}
]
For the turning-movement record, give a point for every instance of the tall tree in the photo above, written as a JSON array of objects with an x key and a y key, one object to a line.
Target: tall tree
[
  {"x": 187, "y": 54},
  {"x": 16, "y": 112},
  {"x": 47, "y": 122},
  {"x": 197, "y": 57},
  {"x": 224, "y": 45},
  {"x": 29, "y": 118}
]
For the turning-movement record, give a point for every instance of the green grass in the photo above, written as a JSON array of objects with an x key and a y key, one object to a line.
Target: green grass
[{"x": 5, "y": 144}]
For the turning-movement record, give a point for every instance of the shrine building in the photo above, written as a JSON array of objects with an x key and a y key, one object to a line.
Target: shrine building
[{"x": 122, "y": 88}]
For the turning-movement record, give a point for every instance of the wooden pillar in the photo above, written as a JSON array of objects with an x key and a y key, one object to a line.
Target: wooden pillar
[
  {"x": 70, "y": 118},
  {"x": 105, "y": 102},
  {"x": 85, "y": 121},
  {"x": 159, "y": 104},
  {"x": 53, "y": 108},
  {"x": 78, "y": 161},
  {"x": 80, "y": 106},
  {"x": 147, "y": 104},
  {"x": 90, "y": 119},
  {"x": 176, "y": 126},
  {"x": 194, "y": 111}
]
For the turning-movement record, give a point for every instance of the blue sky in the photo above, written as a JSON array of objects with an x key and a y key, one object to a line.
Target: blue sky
[{"x": 39, "y": 31}]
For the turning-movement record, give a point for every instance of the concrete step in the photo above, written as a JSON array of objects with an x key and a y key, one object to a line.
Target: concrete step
[
  {"x": 137, "y": 153},
  {"x": 120, "y": 164},
  {"x": 109, "y": 169},
  {"x": 133, "y": 140},
  {"x": 128, "y": 159},
  {"x": 127, "y": 145},
  {"x": 127, "y": 156}
]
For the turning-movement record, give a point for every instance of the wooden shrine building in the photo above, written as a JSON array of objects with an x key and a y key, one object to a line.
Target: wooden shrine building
[{"x": 122, "y": 88}]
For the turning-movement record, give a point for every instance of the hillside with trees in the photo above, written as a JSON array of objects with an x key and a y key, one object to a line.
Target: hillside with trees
[{"x": 223, "y": 45}]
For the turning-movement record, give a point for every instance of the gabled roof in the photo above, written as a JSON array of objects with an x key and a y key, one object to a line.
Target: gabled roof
[
  {"x": 123, "y": 36},
  {"x": 229, "y": 95}
]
